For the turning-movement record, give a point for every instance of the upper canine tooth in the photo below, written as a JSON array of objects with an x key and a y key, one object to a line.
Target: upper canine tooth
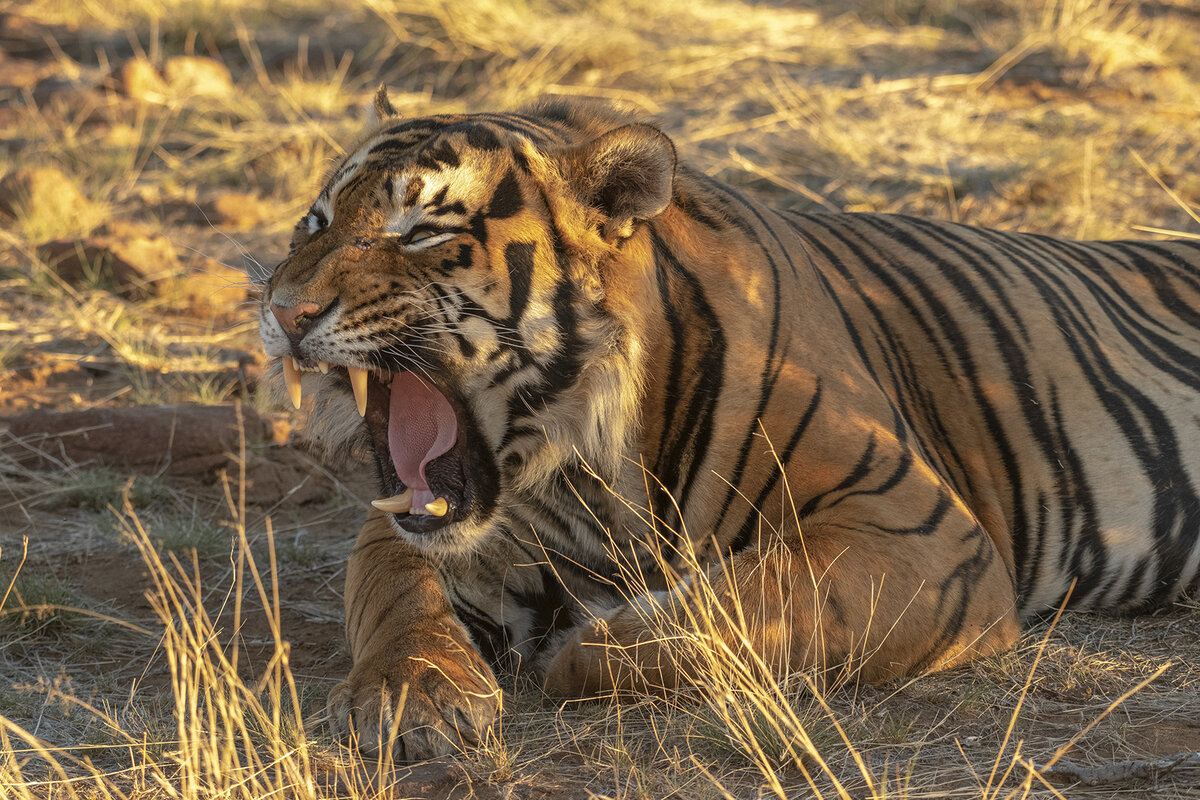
[
  {"x": 323, "y": 366},
  {"x": 399, "y": 504},
  {"x": 291, "y": 377},
  {"x": 358, "y": 382},
  {"x": 438, "y": 507}
]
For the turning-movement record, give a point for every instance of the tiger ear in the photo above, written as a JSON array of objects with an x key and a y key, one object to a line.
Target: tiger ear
[
  {"x": 382, "y": 108},
  {"x": 626, "y": 173}
]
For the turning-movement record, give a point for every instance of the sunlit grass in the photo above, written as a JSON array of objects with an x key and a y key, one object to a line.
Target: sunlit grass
[{"x": 232, "y": 737}]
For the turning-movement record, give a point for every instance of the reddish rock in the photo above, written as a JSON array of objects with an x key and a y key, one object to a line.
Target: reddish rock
[
  {"x": 10, "y": 117},
  {"x": 154, "y": 256},
  {"x": 178, "y": 440},
  {"x": 127, "y": 268},
  {"x": 285, "y": 474}
]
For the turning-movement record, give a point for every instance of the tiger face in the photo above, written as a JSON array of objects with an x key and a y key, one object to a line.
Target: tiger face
[{"x": 436, "y": 283}]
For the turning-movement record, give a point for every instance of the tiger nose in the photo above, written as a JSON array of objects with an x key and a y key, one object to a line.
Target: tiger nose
[{"x": 298, "y": 319}]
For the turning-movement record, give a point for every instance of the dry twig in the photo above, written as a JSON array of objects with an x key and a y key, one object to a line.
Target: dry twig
[{"x": 1136, "y": 769}]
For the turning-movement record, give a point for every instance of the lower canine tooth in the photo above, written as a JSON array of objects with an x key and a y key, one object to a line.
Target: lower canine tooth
[
  {"x": 399, "y": 504},
  {"x": 358, "y": 382},
  {"x": 438, "y": 507},
  {"x": 291, "y": 377}
]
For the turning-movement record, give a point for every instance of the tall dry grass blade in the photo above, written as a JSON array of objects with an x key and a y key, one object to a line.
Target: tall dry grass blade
[
  {"x": 13, "y": 581},
  {"x": 1171, "y": 193},
  {"x": 1074, "y": 740},
  {"x": 1012, "y": 720}
]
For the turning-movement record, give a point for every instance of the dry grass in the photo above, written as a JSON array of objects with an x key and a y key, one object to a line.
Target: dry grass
[
  {"x": 222, "y": 721},
  {"x": 1074, "y": 117}
]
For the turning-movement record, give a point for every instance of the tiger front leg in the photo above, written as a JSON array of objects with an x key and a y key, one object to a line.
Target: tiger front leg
[
  {"x": 852, "y": 603},
  {"x": 416, "y": 676}
]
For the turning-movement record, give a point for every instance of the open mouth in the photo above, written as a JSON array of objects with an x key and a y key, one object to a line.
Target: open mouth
[{"x": 424, "y": 448}]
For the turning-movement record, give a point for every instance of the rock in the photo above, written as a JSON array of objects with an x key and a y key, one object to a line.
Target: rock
[
  {"x": 141, "y": 81},
  {"x": 129, "y": 229},
  {"x": 284, "y": 474},
  {"x": 181, "y": 441},
  {"x": 10, "y": 117},
  {"x": 178, "y": 440},
  {"x": 191, "y": 76},
  {"x": 154, "y": 256},
  {"x": 91, "y": 263},
  {"x": 182, "y": 78},
  {"x": 41, "y": 191},
  {"x": 213, "y": 286},
  {"x": 129, "y": 267},
  {"x": 443, "y": 778},
  {"x": 238, "y": 211}
]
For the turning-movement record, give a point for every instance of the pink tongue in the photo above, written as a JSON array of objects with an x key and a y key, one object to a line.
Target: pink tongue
[{"x": 421, "y": 426}]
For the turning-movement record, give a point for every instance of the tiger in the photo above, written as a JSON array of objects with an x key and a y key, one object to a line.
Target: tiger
[{"x": 886, "y": 441}]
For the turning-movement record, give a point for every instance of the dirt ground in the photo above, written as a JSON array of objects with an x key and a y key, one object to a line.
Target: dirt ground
[{"x": 178, "y": 152}]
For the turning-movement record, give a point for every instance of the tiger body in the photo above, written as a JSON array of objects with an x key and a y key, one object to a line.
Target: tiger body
[{"x": 906, "y": 433}]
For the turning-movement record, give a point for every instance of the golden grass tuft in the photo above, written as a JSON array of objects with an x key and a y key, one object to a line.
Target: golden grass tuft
[{"x": 232, "y": 738}]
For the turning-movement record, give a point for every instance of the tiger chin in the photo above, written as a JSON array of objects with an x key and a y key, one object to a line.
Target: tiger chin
[{"x": 886, "y": 440}]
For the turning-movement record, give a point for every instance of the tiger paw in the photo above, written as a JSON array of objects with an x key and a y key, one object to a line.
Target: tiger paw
[
  {"x": 577, "y": 667},
  {"x": 425, "y": 706},
  {"x": 606, "y": 656}
]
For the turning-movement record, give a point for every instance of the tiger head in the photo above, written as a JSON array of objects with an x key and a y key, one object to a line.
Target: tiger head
[{"x": 463, "y": 296}]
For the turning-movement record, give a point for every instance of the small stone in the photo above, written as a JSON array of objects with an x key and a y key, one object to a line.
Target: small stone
[
  {"x": 40, "y": 191},
  {"x": 238, "y": 211},
  {"x": 197, "y": 76},
  {"x": 212, "y": 286},
  {"x": 11, "y": 116},
  {"x": 153, "y": 256},
  {"x": 141, "y": 81}
]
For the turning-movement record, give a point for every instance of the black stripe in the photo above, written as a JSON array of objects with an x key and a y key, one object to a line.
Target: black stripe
[{"x": 694, "y": 382}]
